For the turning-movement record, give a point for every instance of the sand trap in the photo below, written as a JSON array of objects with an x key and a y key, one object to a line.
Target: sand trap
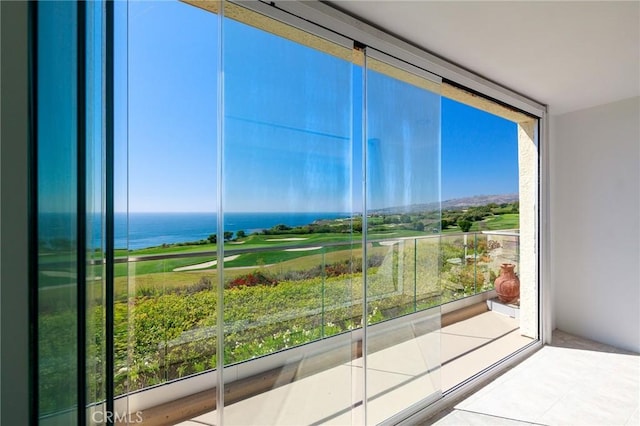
[
  {"x": 205, "y": 264},
  {"x": 287, "y": 239},
  {"x": 303, "y": 249},
  {"x": 388, "y": 243},
  {"x": 237, "y": 242}
]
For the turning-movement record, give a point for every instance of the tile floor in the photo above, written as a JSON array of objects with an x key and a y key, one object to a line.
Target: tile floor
[{"x": 570, "y": 382}]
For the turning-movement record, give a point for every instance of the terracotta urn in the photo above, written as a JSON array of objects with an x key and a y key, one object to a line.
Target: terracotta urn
[{"x": 507, "y": 284}]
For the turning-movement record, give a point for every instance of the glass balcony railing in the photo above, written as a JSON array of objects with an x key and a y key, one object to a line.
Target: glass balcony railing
[
  {"x": 471, "y": 261},
  {"x": 284, "y": 295}
]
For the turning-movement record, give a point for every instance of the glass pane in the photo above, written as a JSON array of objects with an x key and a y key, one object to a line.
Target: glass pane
[
  {"x": 292, "y": 271},
  {"x": 485, "y": 179},
  {"x": 166, "y": 203},
  {"x": 120, "y": 203},
  {"x": 57, "y": 211},
  {"x": 403, "y": 211},
  {"x": 95, "y": 203},
  {"x": 457, "y": 279}
]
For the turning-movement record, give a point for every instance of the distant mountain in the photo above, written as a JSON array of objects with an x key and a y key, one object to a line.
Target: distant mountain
[
  {"x": 454, "y": 204},
  {"x": 479, "y": 200}
]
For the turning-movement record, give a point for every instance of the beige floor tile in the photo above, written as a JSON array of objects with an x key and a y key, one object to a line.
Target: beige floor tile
[
  {"x": 523, "y": 401},
  {"x": 565, "y": 386},
  {"x": 588, "y": 409},
  {"x": 466, "y": 418},
  {"x": 634, "y": 420}
]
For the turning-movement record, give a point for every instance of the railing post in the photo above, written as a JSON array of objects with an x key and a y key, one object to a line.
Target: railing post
[
  {"x": 415, "y": 275},
  {"x": 324, "y": 275},
  {"x": 475, "y": 263}
]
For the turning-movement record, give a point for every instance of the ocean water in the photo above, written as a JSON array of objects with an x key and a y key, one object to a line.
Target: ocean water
[
  {"x": 141, "y": 230},
  {"x": 154, "y": 229}
]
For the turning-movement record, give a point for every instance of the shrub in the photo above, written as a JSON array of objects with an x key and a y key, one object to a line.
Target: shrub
[
  {"x": 251, "y": 279},
  {"x": 464, "y": 225},
  {"x": 203, "y": 284}
]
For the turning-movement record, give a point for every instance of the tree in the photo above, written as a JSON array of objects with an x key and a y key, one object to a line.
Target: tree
[
  {"x": 419, "y": 226},
  {"x": 213, "y": 238},
  {"x": 464, "y": 225},
  {"x": 228, "y": 235},
  {"x": 241, "y": 234}
]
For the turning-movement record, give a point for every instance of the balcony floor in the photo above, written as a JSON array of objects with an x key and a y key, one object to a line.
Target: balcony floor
[
  {"x": 474, "y": 344},
  {"x": 570, "y": 382},
  {"x": 398, "y": 376}
]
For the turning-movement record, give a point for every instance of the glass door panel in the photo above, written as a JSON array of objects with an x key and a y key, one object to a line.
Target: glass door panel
[
  {"x": 96, "y": 304},
  {"x": 402, "y": 158},
  {"x": 166, "y": 202},
  {"x": 291, "y": 267}
]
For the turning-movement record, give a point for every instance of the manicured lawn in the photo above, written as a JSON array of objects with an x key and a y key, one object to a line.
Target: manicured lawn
[
  {"x": 286, "y": 247},
  {"x": 492, "y": 223},
  {"x": 503, "y": 221}
]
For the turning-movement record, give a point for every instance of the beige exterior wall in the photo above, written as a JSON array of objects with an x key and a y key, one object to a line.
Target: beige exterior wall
[{"x": 528, "y": 189}]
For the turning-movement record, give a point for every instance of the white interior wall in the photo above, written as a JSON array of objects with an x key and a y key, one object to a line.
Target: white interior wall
[{"x": 595, "y": 222}]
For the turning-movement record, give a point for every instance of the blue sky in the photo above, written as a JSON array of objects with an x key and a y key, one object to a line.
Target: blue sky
[
  {"x": 479, "y": 152},
  {"x": 291, "y": 114}
]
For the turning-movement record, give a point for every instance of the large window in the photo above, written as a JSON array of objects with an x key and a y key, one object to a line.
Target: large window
[
  {"x": 302, "y": 229},
  {"x": 267, "y": 238}
]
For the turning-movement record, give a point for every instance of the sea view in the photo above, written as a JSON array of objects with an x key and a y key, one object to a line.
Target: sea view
[
  {"x": 155, "y": 229},
  {"x": 142, "y": 230}
]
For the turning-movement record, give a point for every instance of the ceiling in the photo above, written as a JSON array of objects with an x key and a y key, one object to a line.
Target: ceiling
[{"x": 569, "y": 55}]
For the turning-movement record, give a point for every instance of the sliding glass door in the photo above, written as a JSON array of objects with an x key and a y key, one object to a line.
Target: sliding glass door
[
  {"x": 292, "y": 280},
  {"x": 402, "y": 205},
  {"x": 165, "y": 203},
  {"x": 279, "y": 212}
]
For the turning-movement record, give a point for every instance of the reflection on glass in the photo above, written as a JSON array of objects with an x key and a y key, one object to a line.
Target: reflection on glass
[
  {"x": 288, "y": 156},
  {"x": 57, "y": 211},
  {"x": 403, "y": 210}
]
